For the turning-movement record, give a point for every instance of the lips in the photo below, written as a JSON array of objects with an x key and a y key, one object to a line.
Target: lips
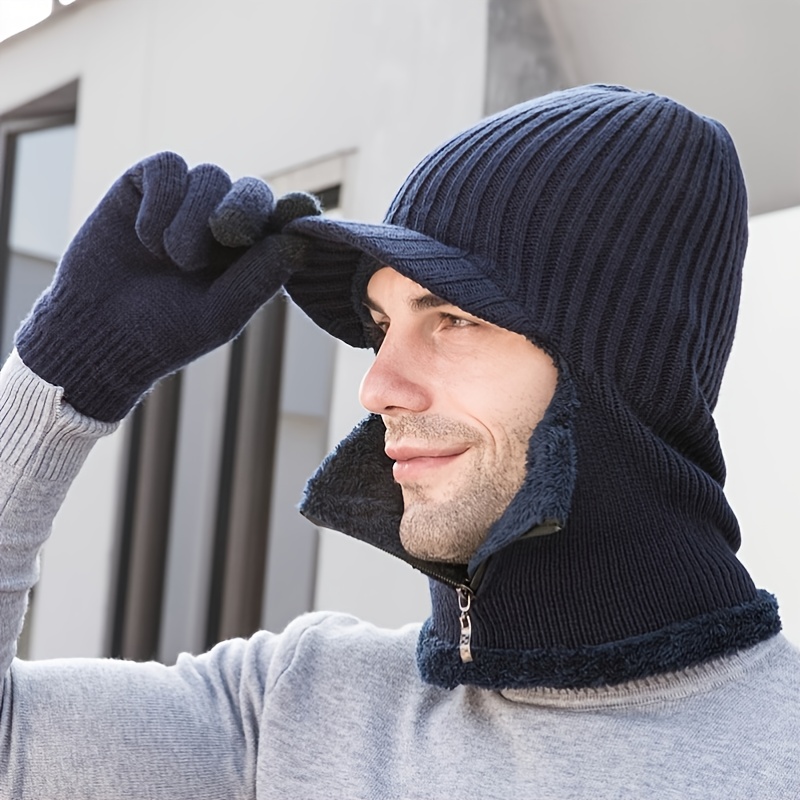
[
  {"x": 410, "y": 452},
  {"x": 414, "y": 462}
]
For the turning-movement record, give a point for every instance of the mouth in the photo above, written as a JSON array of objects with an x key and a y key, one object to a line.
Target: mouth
[{"x": 414, "y": 463}]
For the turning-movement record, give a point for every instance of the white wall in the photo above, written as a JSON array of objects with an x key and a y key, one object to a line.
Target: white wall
[{"x": 759, "y": 412}]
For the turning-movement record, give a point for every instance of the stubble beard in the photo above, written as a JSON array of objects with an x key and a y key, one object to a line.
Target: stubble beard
[{"x": 451, "y": 529}]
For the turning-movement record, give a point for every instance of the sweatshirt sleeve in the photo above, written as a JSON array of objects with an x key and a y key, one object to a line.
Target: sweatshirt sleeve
[
  {"x": 43, "y": 444},
  {"x": 102, "y": 728}
]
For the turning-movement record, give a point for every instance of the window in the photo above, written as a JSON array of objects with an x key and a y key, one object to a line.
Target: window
[{"x": 38, "y": 142}]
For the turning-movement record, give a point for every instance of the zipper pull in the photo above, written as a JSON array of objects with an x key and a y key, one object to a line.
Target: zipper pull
[{"x": 464, "y": 603}]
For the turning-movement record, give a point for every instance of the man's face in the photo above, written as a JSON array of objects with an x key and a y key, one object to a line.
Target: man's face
[{"x": 460, "y": 398}]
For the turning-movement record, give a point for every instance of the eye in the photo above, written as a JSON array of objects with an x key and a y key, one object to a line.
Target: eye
[{"x": 453, "y": 321}]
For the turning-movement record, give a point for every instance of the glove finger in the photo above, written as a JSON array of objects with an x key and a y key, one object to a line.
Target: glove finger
[
  {"x": 294, "y": 205},
  {"x": 161, "y": 180},
  {"x": 243, "y": 216},
  {"x": 187, "y": 239},
  {"x": 252, "y": 280}
]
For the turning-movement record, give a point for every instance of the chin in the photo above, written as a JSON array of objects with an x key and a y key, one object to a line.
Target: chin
[{"x": 448, "y": 553}]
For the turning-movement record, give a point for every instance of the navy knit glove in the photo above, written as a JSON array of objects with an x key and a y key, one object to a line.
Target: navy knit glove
[{"x": 171, "y": 264}]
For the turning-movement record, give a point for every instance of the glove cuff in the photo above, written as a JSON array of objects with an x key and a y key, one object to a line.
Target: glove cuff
[{"x": 66, "y": 345}]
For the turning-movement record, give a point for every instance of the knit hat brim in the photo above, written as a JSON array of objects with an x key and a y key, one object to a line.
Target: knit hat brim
[{"x": 345, "y": 254}]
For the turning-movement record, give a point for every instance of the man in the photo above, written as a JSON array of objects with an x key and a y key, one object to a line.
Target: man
[{"x": 552, "y": 301}]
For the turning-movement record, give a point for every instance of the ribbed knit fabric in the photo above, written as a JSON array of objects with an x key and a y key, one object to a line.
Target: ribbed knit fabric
[{"x": 608, "y": 226}]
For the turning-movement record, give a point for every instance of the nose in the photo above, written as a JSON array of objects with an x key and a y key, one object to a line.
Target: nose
[{"x": 395, "y": 383}]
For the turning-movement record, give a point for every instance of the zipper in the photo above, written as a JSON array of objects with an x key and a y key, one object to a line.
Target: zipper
[
  {"x": 466, "y": 590},
  {"x": 465, "y": 639},
  {"x": 466, "y": 594}
]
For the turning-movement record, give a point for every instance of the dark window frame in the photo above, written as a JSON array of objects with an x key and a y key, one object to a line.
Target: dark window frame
[{"x": 53, "y": 110}]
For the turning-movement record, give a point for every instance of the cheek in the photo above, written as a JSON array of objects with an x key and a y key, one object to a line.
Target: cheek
[
  {"x": 505, "y": 393},
  {"x": 513, "y": 416},
  {"x": 517, "y": 430}
]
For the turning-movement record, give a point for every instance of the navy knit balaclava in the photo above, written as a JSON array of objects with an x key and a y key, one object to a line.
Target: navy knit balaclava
[{"x": 609, "y": 227}]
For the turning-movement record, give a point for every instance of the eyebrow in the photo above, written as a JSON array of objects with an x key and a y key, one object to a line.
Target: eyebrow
[
  {"x": 421, "y": 303},
  {"x": 428, "y": 300}
]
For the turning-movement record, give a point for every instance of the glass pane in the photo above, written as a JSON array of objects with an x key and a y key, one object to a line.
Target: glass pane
[
  {"x": 41, "y": 192},
  {"x": 39, "y": 219}
]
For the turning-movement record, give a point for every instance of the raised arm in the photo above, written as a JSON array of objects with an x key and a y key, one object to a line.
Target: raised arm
[{"x": 172, "y": 263}]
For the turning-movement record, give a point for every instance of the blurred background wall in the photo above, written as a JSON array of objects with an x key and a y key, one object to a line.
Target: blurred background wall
[{"x": 181, "y": 529}]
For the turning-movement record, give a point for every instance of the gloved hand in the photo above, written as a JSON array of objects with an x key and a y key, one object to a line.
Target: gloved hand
[{"x": 172, "y": 263}]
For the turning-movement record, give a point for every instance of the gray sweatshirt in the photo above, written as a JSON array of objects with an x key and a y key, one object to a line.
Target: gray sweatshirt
[{"x": 334, "y": 707}]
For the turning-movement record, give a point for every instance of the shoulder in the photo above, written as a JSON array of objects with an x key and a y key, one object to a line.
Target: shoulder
[
  {"x": 774, "y": 689},
  {"x": 315, "y": 649},
  {"x": 772, "y": 671},
  {"x": 323, "y": 657},
  {"x": 318, "y": 644},
  {"x": 309, "y": 646}
]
